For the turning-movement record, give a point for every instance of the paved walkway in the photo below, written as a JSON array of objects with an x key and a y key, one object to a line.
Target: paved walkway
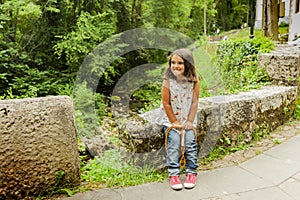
[{"x": 272, "y": 175}]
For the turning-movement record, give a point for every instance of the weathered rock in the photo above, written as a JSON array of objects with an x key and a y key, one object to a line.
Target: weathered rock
[
  {"x": 282, "y": 64},
  {"x": 140, "y": 135},
  {"x": 97, "y": 144},
  {"x": 38, "y": 146}
]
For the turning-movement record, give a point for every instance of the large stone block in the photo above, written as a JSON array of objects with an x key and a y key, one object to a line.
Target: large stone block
[
  {"x": 38, "y": 146},
  {"x": 275, "y": 104},
  {"x": 282, "y": 65}
]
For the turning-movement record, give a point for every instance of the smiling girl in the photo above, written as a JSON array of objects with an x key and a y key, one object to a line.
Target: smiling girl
[{"x": 180, "y": 93}]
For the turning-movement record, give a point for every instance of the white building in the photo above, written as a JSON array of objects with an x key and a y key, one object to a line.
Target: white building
[
  {"x": 284, "y": 12},
  {"x": 289, "y": 13},
  {"x": 258, "y": 20},
  {"x": 294, "y": 29}
]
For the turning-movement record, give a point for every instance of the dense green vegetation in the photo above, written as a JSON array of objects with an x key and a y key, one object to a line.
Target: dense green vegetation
[
  {"x": 238, "y": 64},
  {"x": 43, "y": 43}
]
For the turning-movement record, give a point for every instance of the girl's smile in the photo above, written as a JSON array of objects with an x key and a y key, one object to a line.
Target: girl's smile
[{"x": 177, "y": 66}]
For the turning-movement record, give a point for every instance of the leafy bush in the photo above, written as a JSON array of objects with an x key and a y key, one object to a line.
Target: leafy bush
[
  {"x": 89, "y": 109},
  {"x": 150, "y": 95},
  {"x": 90, "y": 31},
  {"x": 20, "y": 78},
  {"x": 237, "y": 62},
  {"x": 296, "y": 113}
]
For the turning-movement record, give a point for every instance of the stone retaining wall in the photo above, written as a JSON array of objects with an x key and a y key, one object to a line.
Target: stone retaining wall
[
  {"x": 38, "y": 146},
  {"x": 282, "y": 64},
  {"x": 233, "y": 116}
]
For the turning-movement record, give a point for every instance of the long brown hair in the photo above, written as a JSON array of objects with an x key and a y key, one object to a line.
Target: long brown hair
[{"x": 189, "y": 65}]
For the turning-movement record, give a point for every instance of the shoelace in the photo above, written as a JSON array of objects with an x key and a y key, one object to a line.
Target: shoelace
[{"x": 190, "y": 177}]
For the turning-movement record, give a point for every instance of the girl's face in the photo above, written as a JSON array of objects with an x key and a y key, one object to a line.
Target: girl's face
[{"x": 177, "y": 66}]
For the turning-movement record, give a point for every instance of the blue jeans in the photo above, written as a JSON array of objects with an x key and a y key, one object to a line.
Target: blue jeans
[{"x": 174, "y": 152}]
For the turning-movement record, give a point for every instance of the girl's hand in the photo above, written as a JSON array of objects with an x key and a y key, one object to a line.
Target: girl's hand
[
  {"x": 187, "y": 125},
  {"x": 176, "y": 124}
]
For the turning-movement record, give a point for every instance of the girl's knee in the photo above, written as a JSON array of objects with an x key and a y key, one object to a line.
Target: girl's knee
[
  {"x": 173, "y": 137},
  {"x": 189, "y": 135}
]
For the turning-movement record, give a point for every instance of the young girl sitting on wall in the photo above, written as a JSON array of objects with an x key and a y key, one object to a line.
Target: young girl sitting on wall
[{"x": 180, "y": 93}]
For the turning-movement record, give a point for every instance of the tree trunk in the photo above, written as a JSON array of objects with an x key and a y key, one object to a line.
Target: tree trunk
[
  {"x": 204, "y": 19},
  {"x": 138, "y": 14},
  {"x": 252, "y": 19},
  {"x": 274, "y": 20},
  {"x": 265, "y": 18},
  {"x": 270, "y": 19}
]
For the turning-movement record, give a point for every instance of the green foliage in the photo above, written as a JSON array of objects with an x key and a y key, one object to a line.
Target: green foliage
[
  {"x": 196, "y": 21},
  {"x": 88, "y": 36},
  {"x": 237, "y": 61},
  {"x": 35, "y": 83},
  {"x": 43, "y": 43},
  {"x": 165, "y": 13},
  {"x": 59, "y": 176},
  {"x": 22, "y": 69},
  {"x": 283, "y": 25},
  {"x": 69, "y": 192},
  {"x": 89, "y": 32},
  {"x": 277, "y": 141},
  {"x": 14, "y": 64},
  {"x": 150, "y": 95},
  {"x": 296, "y": 113},
  {"x": 16, "y": 30},
  {"x": 214, "y": 154},
  {"x": 19, "y": 80},
  {"x": 111, "y": 171},
  {"x": 261, "y": 132},
  {"x": 232, "y": 14},
  {"x": 89, "y": 109}
]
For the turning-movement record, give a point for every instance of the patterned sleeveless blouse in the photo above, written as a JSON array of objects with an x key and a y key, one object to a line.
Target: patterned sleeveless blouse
[{"x": 181, "y": 101}]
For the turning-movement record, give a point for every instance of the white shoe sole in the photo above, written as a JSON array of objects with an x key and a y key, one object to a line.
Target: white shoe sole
[
  {"x": 177, "y": 187},
  {"x": 189, "y": 185}
]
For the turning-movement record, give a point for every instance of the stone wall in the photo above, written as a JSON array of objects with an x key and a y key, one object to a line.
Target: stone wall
[
  {"x": 219, "y": 116},
  {"x": 282, "y": 64},
  {"x": 38, "y": 145}
]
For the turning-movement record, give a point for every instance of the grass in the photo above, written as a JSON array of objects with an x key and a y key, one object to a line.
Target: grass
[
  {"x": 111, "y": 171},
  {"x": 243, "y": 34}
]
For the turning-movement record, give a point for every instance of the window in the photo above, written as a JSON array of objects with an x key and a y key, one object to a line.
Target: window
[{"x": 297, "y": 6}]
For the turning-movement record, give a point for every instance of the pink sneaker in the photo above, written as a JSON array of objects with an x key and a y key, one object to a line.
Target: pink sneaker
[
  {"x": 190, "y": 181},
  {"x": 175, "y": 183}
]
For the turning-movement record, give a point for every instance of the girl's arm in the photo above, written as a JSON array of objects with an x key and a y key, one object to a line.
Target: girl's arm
[
  {"x": 194, "y": 107},
  {"x": 166, "y": 101}
]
